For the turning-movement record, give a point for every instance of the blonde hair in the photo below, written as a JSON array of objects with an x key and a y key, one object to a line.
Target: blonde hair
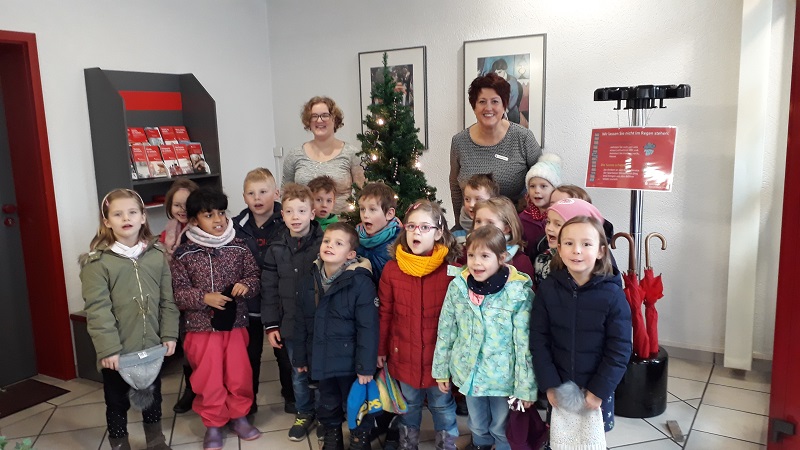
[
  {"x": 489, "y": 237},
  {"x": 505, "y": 210},
  {"x": 257, "y": 175},
  {"x": 293, "y": 191},
  {"x": 603, "y": 265},
  {"x": 180, "y": 183},
  {"x": 336, "y": 114},
  {"x": 574, "y": 192},
  {"x": 439, "y": 220},
  {"x": 105, "y": 236}
]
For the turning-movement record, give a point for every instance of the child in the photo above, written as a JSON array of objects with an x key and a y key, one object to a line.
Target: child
[
  {"x": 338, "y": 321},
  {"x": 257, "y": 225},
  {"x": 323, "y": 189},
  {"x": 500, "y": 212},
  {"x": 127, "y": 288},
  {"x": 572, "y": 191},
  {"x": 541, "y": 180},
  {"x": 214, "y": 261},
  {"x": 289, "y": 257},
  {"x": 581, "y": 322},
  {"x": 175, "y": 206},
  {"x": 482, "y": 341},
  {"x": 411, "y": 291},
  {"x": 479, "y": 187},
  {"x": 379, "y": 227}
]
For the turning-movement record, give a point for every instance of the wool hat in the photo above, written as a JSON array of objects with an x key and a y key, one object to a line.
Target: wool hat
[
  {"x": 139, "y": 370},
  {"x": 572, "y": 426},
  {"x": 548, "y": 167},
  {"x": 572, "y": 207},
  {"x": 363, "y": 399}
]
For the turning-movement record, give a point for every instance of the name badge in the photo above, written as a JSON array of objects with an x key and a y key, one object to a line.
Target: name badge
[{"x": 504, "y": 158}]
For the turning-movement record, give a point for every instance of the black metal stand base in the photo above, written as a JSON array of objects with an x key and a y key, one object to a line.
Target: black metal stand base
[{"x": 642, "y": 393}]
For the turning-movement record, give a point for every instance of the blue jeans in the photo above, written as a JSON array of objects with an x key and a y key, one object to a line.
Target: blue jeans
[
  {"x": 442, "y": 408},
  {"x": 487, "y": 421},
  {"x": 303, "y": 396}
]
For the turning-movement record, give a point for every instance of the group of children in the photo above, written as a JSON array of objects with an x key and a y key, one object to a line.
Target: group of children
[{"x": 535, "y": 303}]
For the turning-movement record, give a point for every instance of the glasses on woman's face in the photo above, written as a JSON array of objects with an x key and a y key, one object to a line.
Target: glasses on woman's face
[
  {"x": 324, "y": 116},
  {"x": 424, "y": 228}
]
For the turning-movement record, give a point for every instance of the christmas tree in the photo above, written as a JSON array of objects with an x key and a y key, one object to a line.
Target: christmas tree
[{"x": 390, "y": 148}]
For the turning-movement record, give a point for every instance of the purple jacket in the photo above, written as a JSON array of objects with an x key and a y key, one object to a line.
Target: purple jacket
[
  {"x": 532, "y": 233},
  {"x": 198, "y": 270}
]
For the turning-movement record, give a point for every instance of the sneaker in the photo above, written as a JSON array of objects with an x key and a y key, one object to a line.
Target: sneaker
[
  {"x": 289, "y": 408},
  {"x": 359, "y": 439},
  {"x": 302, "y": 424}
]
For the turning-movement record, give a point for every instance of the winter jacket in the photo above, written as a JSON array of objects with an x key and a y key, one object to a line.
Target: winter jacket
[
  {"x": 532, "y": 233},
  {"x": 485, "y": 348},
  {"x": 198, "y": 270},
  {"x": 338, "y": 333},
  {"x": 581, "y": 333},
  {"x": 285, "y": 262},
  {"x": 409, "y": 313},
  {"x": 246, "y": 230},
  {"x": 113, "y": 287}
]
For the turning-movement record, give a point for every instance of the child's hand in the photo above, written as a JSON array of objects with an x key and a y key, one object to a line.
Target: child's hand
[
  {"x": 526, "y": 404},
  {"x": 112, "y": 362},
  {"x": 216, "y": 300},
  {"x": 592, "y": 401},
  {"x": 551, "y": 397},
  {"x": 302, "y": 369},
  {"x": 274, "y": 338},
  {"x": 239, "y": 290},
  {"x": 381, "y": 361},
  {"x": 170, "y": 347},
  {"x": 444, "y": 387},
  {"x": 364, "y": 379}
]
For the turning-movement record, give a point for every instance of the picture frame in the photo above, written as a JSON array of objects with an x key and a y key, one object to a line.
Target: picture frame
[
  {"x": 409, "y": 68},
  {"x": 521, "y": 58}
]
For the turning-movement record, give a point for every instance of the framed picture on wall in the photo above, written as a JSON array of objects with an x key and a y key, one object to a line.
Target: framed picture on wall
[
  {"x": 521, "y": 61},
  {"x": 407, "y": 66}
]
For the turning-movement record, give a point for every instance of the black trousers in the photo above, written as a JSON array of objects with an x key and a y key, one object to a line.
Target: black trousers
[
  {"x": 115, "y": 390},
  {"x": 333, "y": 394},
  {"x": 254, "y": 350}
]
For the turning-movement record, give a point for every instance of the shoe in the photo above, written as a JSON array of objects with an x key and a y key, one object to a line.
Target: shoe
[
  {"x": 408, "y": 438},
  {"x": 289, "y": 408},
  {"x": 472, "y": 446},
  {"x": 461, "y": 408},
  {"x": 333, "y": 439},
  {"x": 155, "y": 437},
  {"x": 119, "y": 443},
  {"x": 320, "y": 431},
  {"x": 213, "y": 439},
  {"x": 444, "y": 441},
  {"x": 302, "y": 424},
  {"x": 359, "y": 439},
  {"x": 243, "y": 429},
  {"x": 253, "y": 409}
]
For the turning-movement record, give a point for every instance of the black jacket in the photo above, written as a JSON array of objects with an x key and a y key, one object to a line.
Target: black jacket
[{"x": 245, "y": 230}]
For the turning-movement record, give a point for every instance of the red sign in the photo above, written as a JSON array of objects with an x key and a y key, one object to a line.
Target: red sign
[{"x": 632, "y": 158}]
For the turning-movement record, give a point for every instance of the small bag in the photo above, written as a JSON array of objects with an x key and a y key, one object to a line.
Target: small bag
[
  {"x": 223, "y": 319},
  {"x": 572, "y": 426},
  {"x": 391, "y": 396},
  {"x": 525, "y": 429}
]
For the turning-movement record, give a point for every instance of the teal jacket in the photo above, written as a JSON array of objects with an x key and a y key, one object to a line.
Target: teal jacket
[{"x": 484, "y": 349}]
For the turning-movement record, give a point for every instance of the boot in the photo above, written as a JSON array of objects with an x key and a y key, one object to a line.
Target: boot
[
  {"x": 213, "y": 439},
  {"x": 409, "y": 438},
  {"x": 119, "y": 443},
  {"x": 244, "y": 430},
  {"x": 359, "y": 439},
  {"x": 155, "y": 437},
  {"x": 184, "y": 404},
  {"x": 444, "y": 441},
  {"x": 334, "y": 439}
]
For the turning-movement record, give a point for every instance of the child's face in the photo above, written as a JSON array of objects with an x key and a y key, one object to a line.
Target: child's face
[
  {"x": 557, "y": 196},
  {"x": 260, "y": 197},
  {"x": 552, "y": 227},
  {"x": 213, "y": 222},
  {"x": 323, "y": 203},
  {"x": 421, "y": 243},
  {"x": 472, "y": 196},
  {"x": 482, "y": 262},
  {"x": 485, "y": 216},
  {"x": 580, "y": 249},
  {"x": 372, "y": 216},
  {"x": 335, "y": 248},
  {"x": 125, "y": 218},
  {"x": 297, "y": 215},
  {"x": 178, "y": 208},
  {"x": 539, "y": 192}
]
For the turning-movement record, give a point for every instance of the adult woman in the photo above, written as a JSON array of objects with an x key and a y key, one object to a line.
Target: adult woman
[
  {"x": 324, "y": 155},
  {"x": 493, "y": 145}
]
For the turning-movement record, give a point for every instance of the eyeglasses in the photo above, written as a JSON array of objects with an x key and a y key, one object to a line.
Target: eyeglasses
[
  {"x": 424, "y": 228},
  {"x": 324, "y": 116}
]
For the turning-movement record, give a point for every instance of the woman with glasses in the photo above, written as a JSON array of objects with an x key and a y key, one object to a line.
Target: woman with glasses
[{"x": 325, "y": 154}]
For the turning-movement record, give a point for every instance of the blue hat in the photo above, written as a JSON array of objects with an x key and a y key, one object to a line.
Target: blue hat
[{"x": 363, "y": 399}]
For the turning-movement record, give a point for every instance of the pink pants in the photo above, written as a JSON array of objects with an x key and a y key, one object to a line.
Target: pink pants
[{"x": 221, "y": 377}]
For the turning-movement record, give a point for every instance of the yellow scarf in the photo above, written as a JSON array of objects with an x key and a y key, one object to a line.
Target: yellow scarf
[{"x": 419, "y": 266}]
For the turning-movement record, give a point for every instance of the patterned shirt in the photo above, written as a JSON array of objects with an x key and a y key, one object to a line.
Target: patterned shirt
[{"x": 345, "y": 169}]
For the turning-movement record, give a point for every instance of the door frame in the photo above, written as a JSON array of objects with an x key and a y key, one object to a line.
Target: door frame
[{"x": 36, "y": 204}]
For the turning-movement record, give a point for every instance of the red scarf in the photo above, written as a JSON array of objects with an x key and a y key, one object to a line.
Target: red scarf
[{"x": 535, "y": 213}]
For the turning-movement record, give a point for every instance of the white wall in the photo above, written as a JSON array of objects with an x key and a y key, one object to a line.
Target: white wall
[
  {"x": 225, "y": 44},
  {"x": 315, "y": 46}
]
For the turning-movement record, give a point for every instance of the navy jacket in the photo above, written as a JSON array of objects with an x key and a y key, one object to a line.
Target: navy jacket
[
  {"x": 245, "y": 230},
  {"x": 337, "y": 331},
  {"x": 581, "y": 333}
]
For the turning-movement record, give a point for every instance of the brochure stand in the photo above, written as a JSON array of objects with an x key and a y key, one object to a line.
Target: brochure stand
[{"x": 642, "y": 393}]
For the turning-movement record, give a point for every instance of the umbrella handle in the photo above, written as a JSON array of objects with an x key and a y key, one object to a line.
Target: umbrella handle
[
  {"x": 631, "y": 249},
  {"x": 647, "y": 246}
]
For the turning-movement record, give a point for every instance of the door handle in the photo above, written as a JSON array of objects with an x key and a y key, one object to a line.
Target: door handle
[
  {"x": 9, "y": 208},
  {"x": 9, "y": 222}
]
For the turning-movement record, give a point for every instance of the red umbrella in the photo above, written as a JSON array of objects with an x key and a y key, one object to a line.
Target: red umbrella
[
  {"x": 653, "y": 290},
  {"x": 635, "y": 296}
]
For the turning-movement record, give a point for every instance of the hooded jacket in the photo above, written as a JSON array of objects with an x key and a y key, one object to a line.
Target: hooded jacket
[
  {"x": 246, "y": 230},
  {"x": 111, "y": 284}
]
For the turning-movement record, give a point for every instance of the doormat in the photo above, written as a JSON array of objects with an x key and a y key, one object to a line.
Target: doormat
[{"x": 27, "y": 393}]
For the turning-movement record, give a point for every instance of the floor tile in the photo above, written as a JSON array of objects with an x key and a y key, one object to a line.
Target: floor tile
[
  {"x": 77, "y": 387},
  {"x": 680, "y": 412},
  {"x": 276, "y": 440},
  {"x": 700, "y": 440},
  {"x": 662, "y": 444},
  {"x": 28, "y": 426},
  {"x": 95, "y": 396},
  {"x": 630, "y": 431},
  {"x": 171, "y": 383},
  {"x": 695, "y": 403},
  {"x": 738, "y": 399},
  {"x": 269, "y": 392},
  {"x": 755, "y": 381},
  {"x": 83, "y": 439},
  {"x": 24, "y": 414},
  {"x": 269, "y": 371},
  {"x": 690, "y": 370},
  {"x": 272, "y": 418},
  {"x": 68, "y": 418},
  {"x": 189, "y": 428},
  {"x": 685, "y": 389},
  {"x": 730, "y": 423},
  {"x": 671, "y": 398},
  {"x": 227, "y": 444}
]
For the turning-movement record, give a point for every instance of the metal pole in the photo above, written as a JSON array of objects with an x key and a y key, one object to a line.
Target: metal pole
[{"x": 638, "y": 116}]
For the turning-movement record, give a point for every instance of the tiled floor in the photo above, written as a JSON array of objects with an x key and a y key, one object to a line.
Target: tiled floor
[{"x": 718, "y": 408}]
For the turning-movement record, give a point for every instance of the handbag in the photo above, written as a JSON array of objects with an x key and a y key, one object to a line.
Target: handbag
[{"x": 525, "y": 429}]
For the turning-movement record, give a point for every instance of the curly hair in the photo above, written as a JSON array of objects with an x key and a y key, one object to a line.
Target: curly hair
[{"x": 336, "y": 113}]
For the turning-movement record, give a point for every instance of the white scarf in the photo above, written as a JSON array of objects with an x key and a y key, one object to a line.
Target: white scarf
[
  {"x": 198, "y": 236},
  {"x": 128, "y": 252}
]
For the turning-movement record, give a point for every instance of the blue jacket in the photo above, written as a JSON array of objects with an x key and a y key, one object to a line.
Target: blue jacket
[
  {"x": 244, "y": 227},
  {"x": 581, "y": 333},
  {"x": 337, "y": 331}
]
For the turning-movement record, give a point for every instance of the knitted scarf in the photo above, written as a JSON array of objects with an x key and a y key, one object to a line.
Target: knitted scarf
[
  {"x": 419, "y": 266},
  {"x": 328, "y": 280},
  {"x": 494, "y": 284},
  {"x": 324, "y": 222},
  {"x": 386, "y": 234},
  {"x": 198, "y": 236},
  {"x": 535, "y": 212},
  {"x": 128, "y": 252}
]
